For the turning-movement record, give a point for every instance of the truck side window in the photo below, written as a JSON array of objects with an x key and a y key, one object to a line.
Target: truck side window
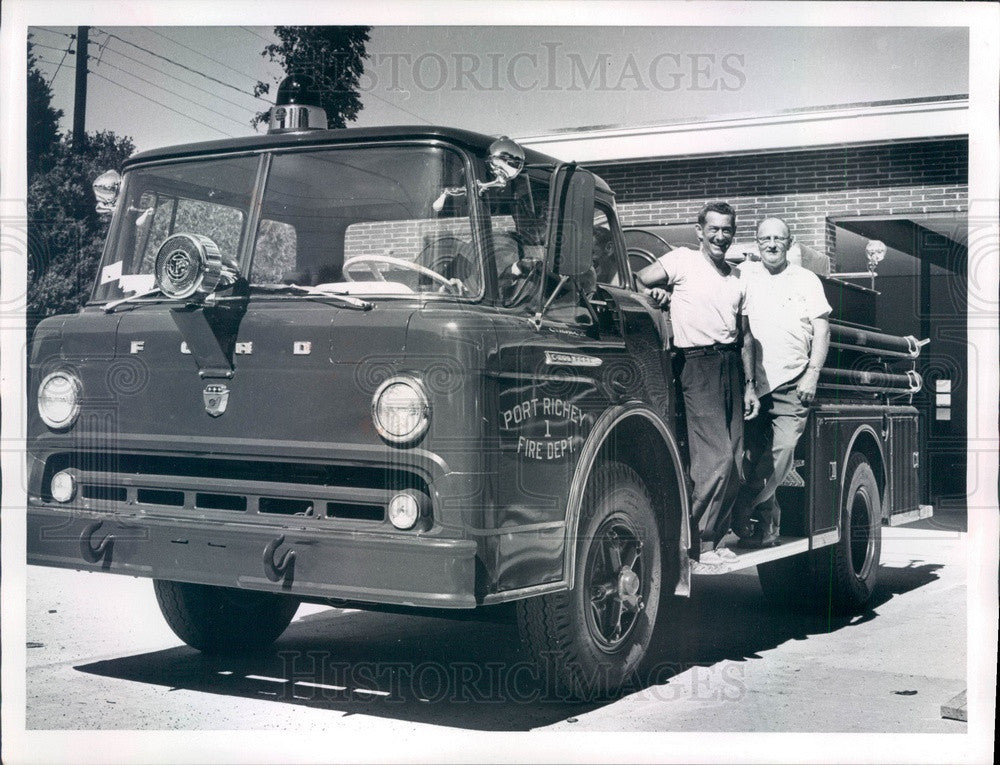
[
  {"x": 606, "y": 265},
  {"x": 519, "y": 220}
]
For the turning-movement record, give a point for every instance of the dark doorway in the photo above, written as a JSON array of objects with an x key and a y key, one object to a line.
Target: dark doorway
[{"x": 922, "y": 284}]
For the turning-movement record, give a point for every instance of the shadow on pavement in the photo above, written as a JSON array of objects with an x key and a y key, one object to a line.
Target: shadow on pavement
[{"x": 472, "y": 674}]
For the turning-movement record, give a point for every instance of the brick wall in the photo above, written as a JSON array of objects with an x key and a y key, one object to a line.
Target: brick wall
[
  {"x": 803, "y": 187},
  {"x": 401, "y": 238}
]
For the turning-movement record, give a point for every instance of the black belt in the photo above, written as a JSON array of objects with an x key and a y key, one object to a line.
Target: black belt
[{"x": 704, "y": 350}]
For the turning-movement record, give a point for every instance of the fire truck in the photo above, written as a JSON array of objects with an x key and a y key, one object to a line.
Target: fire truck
[{"x": 408, "y": 368}]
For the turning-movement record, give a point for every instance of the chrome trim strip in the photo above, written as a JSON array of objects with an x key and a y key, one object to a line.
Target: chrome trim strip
[
  {"x": 826, "y": 538},
  {"x": 753, "y": 558},
  {"x": 571, "y": 359},
  {"x": 523, "y": 529},
  {"x": 901, "y": 519},
  {"x": 525, "y": 592}
]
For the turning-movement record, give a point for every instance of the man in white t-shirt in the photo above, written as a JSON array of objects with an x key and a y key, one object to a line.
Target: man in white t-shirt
[
  {"x": 789, "y": 318},
  {"x": 715, "y": 371}
]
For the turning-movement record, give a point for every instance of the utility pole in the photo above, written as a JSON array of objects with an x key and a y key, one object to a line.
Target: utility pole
[{"x": 80, "y": 100}]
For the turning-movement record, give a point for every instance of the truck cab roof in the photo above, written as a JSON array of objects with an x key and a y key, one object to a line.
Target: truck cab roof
[{"x": 477, "y": 143}]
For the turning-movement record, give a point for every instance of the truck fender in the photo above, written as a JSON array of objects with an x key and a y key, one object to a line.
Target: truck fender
[
  {"x": 606, "y": 424},
  {"x": 870, "y": 434}
]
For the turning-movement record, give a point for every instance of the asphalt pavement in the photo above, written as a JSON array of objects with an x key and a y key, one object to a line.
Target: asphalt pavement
[{"x": 100, "y": 656}]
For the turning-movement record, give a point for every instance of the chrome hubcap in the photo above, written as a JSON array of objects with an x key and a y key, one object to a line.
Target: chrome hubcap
[{"x": 614, "y": 577}]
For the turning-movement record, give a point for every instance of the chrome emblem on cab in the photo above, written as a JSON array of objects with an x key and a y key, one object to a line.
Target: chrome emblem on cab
[{"x": 216, "y": 397}]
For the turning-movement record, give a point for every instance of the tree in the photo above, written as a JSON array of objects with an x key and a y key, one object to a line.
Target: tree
[
  {"x": 43, "y": 120},
  {"x": 65, "y": 233},
  {"x": 334, "y": 57}
]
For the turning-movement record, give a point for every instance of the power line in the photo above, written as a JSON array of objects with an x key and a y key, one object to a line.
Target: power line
[
  {"x": 50, "y": 47},
  {"x": 53, "y": 63},
  {"x": 175, "y": 77},
  {"x": 56, "y": 73},
  {"x": 182, "y": 66},
  {"x": 220, "y": 82},
  {"x": 195, "y": 50},
  {"x": 158, "y": 103},
  {"x": 56, "y": 32},
  {"x": 168, "y": 90},
  {"x": 166, "y": 74},
  {"x": 66, "y": 52},
  {"x": 142, "y": 95},
  {"x": 257, "y": 34}
]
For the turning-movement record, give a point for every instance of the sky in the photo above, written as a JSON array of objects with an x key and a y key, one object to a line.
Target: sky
[{"x": 167, "y": 85}]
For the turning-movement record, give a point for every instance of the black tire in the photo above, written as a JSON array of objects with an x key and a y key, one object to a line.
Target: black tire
[
  {"x": 840, "y": 578},
  {"x": 222, "y": 619},
  {"x": 849, "y": 568},
  {"x": 590, "y": 640}
]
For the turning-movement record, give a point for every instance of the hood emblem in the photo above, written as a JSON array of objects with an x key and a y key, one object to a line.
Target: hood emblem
[{"x": 216, "y": 398}]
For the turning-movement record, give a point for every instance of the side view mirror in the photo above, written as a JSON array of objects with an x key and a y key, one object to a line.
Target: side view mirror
[
  {"x": 569, "y": 251},
  {"x": 506, "y": 161},
  {"x": 106, "y": 188},
  {"x": 571, "y": 221}
]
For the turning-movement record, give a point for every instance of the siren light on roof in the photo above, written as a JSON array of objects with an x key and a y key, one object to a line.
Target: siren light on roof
[{"x": 296, "y": 107}]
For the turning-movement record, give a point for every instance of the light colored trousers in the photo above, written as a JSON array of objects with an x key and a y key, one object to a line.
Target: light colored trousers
[{"x": 770, "y": 440}]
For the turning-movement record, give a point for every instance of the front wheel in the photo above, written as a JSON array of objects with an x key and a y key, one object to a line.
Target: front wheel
[
  {"x": 593, "y": 637},
  {"x": 223, "y": 619}
]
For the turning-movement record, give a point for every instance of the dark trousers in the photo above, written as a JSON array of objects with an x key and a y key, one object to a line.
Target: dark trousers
[{"x": 712, "y": 384}]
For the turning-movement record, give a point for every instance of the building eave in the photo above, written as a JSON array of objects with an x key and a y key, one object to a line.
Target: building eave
[{"x": 882, "y": 122}]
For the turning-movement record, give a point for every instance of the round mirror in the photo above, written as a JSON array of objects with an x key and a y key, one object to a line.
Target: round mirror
[
  {"x": 506, "y": 158},
  {"x": 106, "y": 187}
]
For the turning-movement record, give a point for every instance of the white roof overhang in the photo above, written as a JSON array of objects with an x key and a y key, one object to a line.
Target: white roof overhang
[{"x": 786, "y": 131}]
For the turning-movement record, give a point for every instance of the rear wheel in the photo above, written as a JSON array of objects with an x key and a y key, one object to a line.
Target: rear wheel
[
  {"x": 850, "y": 567},
  {"x": 594, "y": 636},
  {"x": 222, "y": 619},
  {"x": 841, "y": 577}
]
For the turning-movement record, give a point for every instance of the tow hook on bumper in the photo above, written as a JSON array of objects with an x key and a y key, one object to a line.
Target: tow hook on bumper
[
  {"x": 103, "y": 550},
  {"x": 279, "y": 571}
]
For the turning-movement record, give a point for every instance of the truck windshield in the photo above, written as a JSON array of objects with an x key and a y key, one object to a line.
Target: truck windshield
[{"x": 361, "y": 221}]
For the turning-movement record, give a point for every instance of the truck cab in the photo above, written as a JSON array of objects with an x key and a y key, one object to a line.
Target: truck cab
[{"x": 388, "y": 367}]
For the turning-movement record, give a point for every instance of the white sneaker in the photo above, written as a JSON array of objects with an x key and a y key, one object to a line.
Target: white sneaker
[{"x": 713, "y": 558}]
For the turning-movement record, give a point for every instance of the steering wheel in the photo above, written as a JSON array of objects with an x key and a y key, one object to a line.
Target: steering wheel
[{"x": 369, "y": 260}]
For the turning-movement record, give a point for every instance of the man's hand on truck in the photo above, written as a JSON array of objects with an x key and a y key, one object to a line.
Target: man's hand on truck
[{"x": 658, "y": 295}]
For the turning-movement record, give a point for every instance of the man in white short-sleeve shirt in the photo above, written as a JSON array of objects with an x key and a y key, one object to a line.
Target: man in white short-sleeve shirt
[
  {"x": 714, "y": 370},
  {"x": 789, "y": 319}
]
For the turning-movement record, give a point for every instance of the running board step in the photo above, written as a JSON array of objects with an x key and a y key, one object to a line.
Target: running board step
[
  {"x": 922, "y": 511},
  {"x": 749, "y": 558}
]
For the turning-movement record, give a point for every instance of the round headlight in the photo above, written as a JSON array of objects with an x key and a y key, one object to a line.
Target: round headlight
[
  {"x": 59, "y": 399},
  {"x": 403, "y": 511},
  {"x": 63, "y": 487},
  {"x": 401, "y": 410}
]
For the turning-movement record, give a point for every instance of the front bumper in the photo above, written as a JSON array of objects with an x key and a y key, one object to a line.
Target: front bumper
[{"x": 409, "y": 570}]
